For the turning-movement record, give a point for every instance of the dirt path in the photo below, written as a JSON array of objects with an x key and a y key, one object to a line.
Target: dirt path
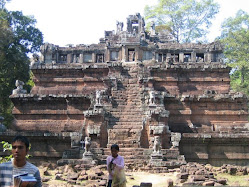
[{"x": 157, "y": 180}]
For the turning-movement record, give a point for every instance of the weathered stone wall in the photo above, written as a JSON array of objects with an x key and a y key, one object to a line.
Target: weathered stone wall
[
  {"x": 216, "y": 149},
  {"x": 44, "y": 146},
  {"x": 67, "y": 79},
  {"x": 212, "y": 113},
  {"x": 192, "y": 79},
  {"x": 49, "y": 113}
]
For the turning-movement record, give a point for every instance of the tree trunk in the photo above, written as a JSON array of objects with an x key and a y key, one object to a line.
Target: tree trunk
[{"x": 243, "y": 71}]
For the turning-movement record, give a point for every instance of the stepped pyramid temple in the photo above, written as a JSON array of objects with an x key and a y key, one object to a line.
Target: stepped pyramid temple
[{"x": 162, "y": 102}]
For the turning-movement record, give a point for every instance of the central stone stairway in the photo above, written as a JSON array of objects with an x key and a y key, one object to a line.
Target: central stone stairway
[
  {"x": 126, "y": 120},
  {"x": 127, "y": 125}
]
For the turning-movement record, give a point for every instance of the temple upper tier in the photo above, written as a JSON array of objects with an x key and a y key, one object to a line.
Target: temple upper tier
[{"x": 133, "y": 44}]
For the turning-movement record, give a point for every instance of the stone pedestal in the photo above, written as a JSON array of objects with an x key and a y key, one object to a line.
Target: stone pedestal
[
  {"x": 156, "y": 156},
  {"x": 98, "y": 107},
  {"x": 87, "y": 156},
  {"x": 152, "y": 106},
  {"x": 156, "y": 160}
]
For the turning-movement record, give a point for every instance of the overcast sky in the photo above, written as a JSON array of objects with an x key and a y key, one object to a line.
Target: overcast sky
[{"x": 65, "y": 22}]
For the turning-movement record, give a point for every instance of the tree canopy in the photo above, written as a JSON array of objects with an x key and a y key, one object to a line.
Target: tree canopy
[
  {"x": 18, "y": 37},
  {"x": 186, "y": 20},
  {"x": 235, "y": 38}
]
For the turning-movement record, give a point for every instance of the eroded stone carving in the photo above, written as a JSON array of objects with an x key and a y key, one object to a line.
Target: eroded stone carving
[
  {"x": 119, "y": 27},
  {"x": 93, "y": 129},
  {"x": 87, "y": 144},
  {"x": 153, "y": 28},
  {"x": 35, "y": 60},
  {"x": 48, "y": 51},
  {"x": 87, "y": 154},
  {"x": 75, "y": 139},
  {"x": 98, "y": 97},
  {"x": 175, "y": 139},
  {"x": 19, "y": 88},
  {"x": 152, "y": 99},
  {"x": 157, "y": 145}
]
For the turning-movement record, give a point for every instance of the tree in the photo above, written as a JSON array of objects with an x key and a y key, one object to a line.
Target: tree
[
  {"x": 18, "y": 37},
  {"x": 6, "y": 147},
  {"x": 235, "y": 38},
  {"x": 2, "y": 3},
  {"x": 186, "y": 20}
]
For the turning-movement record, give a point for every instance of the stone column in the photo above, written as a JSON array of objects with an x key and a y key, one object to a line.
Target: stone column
[
  {"x": 126, "y": 54},
  {"x": 57, "y": 57},
  {"x": 139, "y": 54},
  {"x": 69, "y": 58},
  {"x": 136, "y": 54},
  {"x": 108, "y": 55},
  {"x": 168, "y": 57},
  {"x": 193, "y": 56},
  {"x": 154, "y": 56},
  {"x": 74, "y": 58},
  {"x": 120, "y": 58},
  {"x": 207, "y": 57},
  {"x": 81, "y": 58},
  {"x": 123, "y": 54},
  {"x": 181, "y": 57},
  {"x": 93, "y": 57}
]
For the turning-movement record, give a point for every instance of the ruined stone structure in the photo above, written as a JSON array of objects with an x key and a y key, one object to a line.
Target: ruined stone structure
[{"x": 135, "y": 88}]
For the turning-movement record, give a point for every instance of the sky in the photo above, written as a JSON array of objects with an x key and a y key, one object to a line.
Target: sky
[{"x": 75, "y": 22}]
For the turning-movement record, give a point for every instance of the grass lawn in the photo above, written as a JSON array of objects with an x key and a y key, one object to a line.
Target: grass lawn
[{"x": 233, "y": 180}]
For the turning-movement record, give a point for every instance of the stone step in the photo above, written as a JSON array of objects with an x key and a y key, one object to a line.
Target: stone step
[
  {"x": 130, "y": 115},
  {"x": 127, "y": 93},
  {"x": 119, "y": 112},
  {"x": 127, "y": 103},
  {"x": 129, "y": 145},
  {"x": 132, "y": 86},
  {"x": 123, "y": 101},
  {"x": 131, "y": 153},
  {"x": 128, "y": 127},
  {"x": 132, "y": 126},
  {"x": 118, "y": 115},
  {"x": 129, "y": 112},
  {"x": 126, "y": 118},
  {"x": 126, "y": 122},
  {"x": 128, "y": 157},
  {"x": 125, "y": 110},
  {"x": 130, "y": 107},
  {"x": 133, "y": 105}
]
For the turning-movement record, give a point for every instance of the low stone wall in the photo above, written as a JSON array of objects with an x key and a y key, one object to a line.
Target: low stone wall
[
  {"x": 44, "y": 146},
  {"x": 216, "y": 149}
]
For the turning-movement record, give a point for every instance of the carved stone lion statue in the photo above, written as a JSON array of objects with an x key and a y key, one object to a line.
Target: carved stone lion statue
[
  {"x": 157, "y": 145},
  {"x": 152, "y": 98},
  {"x": 19, "y": 88},
  {"x": 98, "y": 97},
  {"x": 87, "y": 144}
]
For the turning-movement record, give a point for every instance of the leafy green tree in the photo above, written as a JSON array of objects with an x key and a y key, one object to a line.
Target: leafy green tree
[
  {"x": 235, "y": 38},
  {"x": 18, "y": 37},
  {"x": 3, "y": 2},
  {"x": 6, "y": 147},
  {"x": 185, "y": 20}
]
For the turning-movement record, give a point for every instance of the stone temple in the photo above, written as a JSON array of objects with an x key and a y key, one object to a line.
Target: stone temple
[{"x": 162, "y": 102}]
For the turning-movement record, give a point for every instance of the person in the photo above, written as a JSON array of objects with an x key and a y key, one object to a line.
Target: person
[
  {"x": 19, "y": 164},
  {"x": 115, "y": 167}
]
